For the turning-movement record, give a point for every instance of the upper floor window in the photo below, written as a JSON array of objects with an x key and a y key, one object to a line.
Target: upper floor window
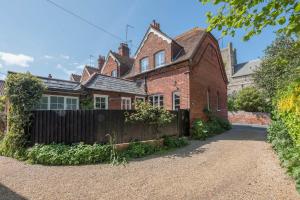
[
  {"x": 176, "y": 101},
  {"x": 157, "y": 100},
  {"x": 114, "y": 73},
  {"x": 144, "y": 63},
  {"x": 159, "y": 58}
]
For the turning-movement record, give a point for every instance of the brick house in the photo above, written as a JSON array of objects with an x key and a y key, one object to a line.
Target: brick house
[{"x": 184, "y": 72}]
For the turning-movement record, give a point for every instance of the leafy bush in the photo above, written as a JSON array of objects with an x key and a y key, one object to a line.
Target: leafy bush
[
  {"x": 250, "y": 99},
  {"x": 149, "y": 115},
  {"x": 23, "y": 92},
  {"x": 174, "y": 142},
  {"x": 199, "y": 130},
  {"x": 231, "y": 103},
  {"x": 139, "y": 149},
  {"x": 288, "y": 109},
  {"x": 60, "y": 154},
  {"x": 288, "y": 153}
]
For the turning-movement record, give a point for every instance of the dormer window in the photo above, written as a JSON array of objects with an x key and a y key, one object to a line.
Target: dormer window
[
  {"x": 159, "y": 58},
  {"x": 114, "y": 73},
  {"x": 144, "y": 63}
]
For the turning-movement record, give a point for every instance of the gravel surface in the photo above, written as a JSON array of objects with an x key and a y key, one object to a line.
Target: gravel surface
[{"x": 238, "y": 164}]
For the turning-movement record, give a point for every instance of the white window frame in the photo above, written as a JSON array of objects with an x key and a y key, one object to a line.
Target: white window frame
[
  {"x": 101, "y": 96},
  {"x": 114, "y": 73},
  {"x": 159, "y": 99},
  {"x": 147, "y": 68},
  {"x": 155, "y": 56},
  {"x": 65, "y": 101},
  {"x": 126, "y": 98},
  {"x": 139, "y": 97},
  {"x": 173, "y": 99}
]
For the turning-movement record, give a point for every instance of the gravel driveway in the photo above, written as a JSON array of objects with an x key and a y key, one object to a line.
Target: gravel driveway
[{"x": 238, "y": 164}]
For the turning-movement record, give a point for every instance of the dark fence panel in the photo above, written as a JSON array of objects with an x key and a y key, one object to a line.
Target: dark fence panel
[{"x": 92, "y": 126}]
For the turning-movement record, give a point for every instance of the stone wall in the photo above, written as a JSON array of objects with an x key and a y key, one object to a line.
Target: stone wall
[{"x": 242, "y": 117}]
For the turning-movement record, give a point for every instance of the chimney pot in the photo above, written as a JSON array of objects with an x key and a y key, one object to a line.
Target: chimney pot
[
  {"x": 49, "y": 76},
  {"x": 155, "y": 25},
  {"x": 101, "y": 61},
  {"x": 124, "y": 50}
]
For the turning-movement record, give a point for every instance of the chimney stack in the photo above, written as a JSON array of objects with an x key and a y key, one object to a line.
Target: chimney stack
[
  {"x": 155, "y": 25},
  {"x": 101, "y": 61},
  {"x": 124, "y": 50},
  {"x": 49, "y": 76}
]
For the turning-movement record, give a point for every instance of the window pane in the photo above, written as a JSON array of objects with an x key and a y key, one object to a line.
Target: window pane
[
  {"x": 159, "y": 59},
  {"x": 60, "y": 100},
  {"x": 53, "y": 99},
  {"x": 161, "y": 101},
  {"x": 144, "y": 64}
]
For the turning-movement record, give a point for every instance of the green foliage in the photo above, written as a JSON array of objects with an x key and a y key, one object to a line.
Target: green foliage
[
  {"x": 149, "y": 115},
  {"x": 199, "y": 130},
  {"x": 250, "y": 99},
  {"x": 215, "y": 125},
  {"x": 231, "y": 103},
  {"x": 288, "y": 153},
  {"x": 60, "y": 154},
  {"x": 2, "y": 103},
  {"x": 86, "y": 103},
  {"x": 174, "y": 142},
  {"x": 23, "y": 92},
  {"x": 254, "y": 16},
  {"x": 280, "y": 65},
  {"x": 288, "y": 109},
  {"x": 139, "y": 149}
]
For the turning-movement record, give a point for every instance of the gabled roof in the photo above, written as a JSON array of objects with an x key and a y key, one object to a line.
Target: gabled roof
[
  {"x": 246, "y": 68},
  {"x": 91, "y": 70},
  {"x": 107, "y": 83},
  {"x": 75, "y": 77},
  {"x": 2, "y": 85}
]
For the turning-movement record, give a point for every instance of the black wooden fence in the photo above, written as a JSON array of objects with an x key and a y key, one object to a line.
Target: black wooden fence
[{"x": 92, "y": 126}]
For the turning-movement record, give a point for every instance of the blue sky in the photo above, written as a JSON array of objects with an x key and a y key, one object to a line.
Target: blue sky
[{"x": 35, "y": 36}]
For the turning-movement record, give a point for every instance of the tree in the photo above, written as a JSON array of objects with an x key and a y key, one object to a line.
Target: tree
[
  {"x": 254, "y": 16},
  {"x": 250, "y": 99},
  {"x": 280, "y": 65}
]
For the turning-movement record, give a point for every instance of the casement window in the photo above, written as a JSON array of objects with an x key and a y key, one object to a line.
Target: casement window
[
  {"x": 144, "y": 63},
  {"x": 218, "y": 102},
  {"x": 114, "y": 73},
  {"x": 159, "y": 59},
  {"x": 126, "y": 103},
  {"x": 157, "y": 100},
  {"x": 176, "y": 100},
  {"x": 54, "y": 102},
  {"x": 208, "y": 99},
  {"x": 101, "y": 102}
]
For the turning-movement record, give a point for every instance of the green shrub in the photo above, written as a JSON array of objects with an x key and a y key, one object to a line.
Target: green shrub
[
  {"x": 231, "y": 103},
  {"x": 199, "y": 130},
  {"x": 174, "y": 142},
  {"x": 60, "y": 154},
  {"x": 139, "y": 149},
  {"x": 250, "y": 99}
]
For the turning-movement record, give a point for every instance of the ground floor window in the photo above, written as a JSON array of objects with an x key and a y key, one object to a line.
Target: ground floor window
[
  {"x": 218, "y": 102},
  {"x": 125, "y": 103},
  {"x": 176, "y": 101},
  {"x": 139, "y": 99},
  {"x": 55, "y": 102},
  {"x": 157, "y": 100},
  {"x": 101, "y": 102}
]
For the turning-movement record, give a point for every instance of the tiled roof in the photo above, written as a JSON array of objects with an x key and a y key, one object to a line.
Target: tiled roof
[
  {"x": 246, "y": 68},
  {"x": 59, "y": 84},
  {"x": 125, "y": 62},
  {"x": 108, "y": 83},
  {"x": 75, "y": 77},
  {"x": 189, "y": 41},
  {"x": 2, "y": 84}
]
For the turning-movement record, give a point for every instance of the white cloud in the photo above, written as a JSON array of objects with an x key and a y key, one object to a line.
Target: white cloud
[
  {"x": 65, "y": 70},
  {"x": 16, "y": 59},
  {"x": 48, "y": 57},
  {"x": 65, "y": 57},
  {"x": 80, "y": 66}
]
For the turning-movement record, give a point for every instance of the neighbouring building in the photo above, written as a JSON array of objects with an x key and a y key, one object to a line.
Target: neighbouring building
[
  {"x": 182, "y": 72},
  {"x": 239, "y": 75}
]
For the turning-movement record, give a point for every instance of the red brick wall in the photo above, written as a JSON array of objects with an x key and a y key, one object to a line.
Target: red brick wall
[
  {"x": 85, "y": 75},
  {"x": 109, "y": 66},
  {"x": 206, "y": 74},
  {"x": 242, "y": 117},
  {"x": 114, "y": 99},
  {"x": 152, "y": 45},
  {"x": 167, "y": 81}
]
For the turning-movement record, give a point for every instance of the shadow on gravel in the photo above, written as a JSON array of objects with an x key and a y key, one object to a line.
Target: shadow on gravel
[
  {"x": 8, "y": 194},
  {"x": 238, "y": 132}
]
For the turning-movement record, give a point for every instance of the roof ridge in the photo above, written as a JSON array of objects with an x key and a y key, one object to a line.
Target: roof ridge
[{"x": 188, "y": 32}]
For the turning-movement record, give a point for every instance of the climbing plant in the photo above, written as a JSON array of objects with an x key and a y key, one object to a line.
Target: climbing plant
[{"x": 23, "y": 92}]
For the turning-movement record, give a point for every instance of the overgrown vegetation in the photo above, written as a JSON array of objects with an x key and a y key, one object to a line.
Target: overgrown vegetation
[
  {"x": 86, "y": 102},
  {"x": 23, "y": 92},
  {"x": 78, "y": 154},
  {"x": 152, "y": 116},
  {"x": 254, "y": 16},
  {"x": 214, "y": 125}
]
